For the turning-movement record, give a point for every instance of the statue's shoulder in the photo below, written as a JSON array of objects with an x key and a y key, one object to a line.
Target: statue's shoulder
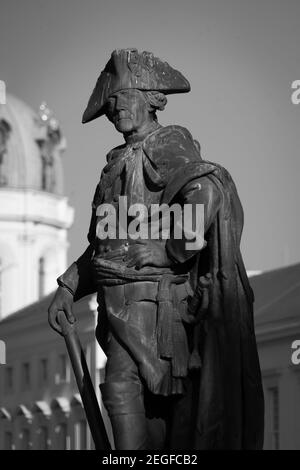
[
  {"x": 171, "y": 142},
  {"x": 115, "y": 152},
  {"x": 220, "y": 172},
  {"x": 164, "y": 133}
]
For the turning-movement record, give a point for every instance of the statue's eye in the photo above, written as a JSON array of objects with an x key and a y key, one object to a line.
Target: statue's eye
[{"x": 111, "y": 104}]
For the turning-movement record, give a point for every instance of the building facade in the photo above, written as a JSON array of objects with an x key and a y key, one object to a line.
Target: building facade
[
  {"x": 40, "y": 407},
  {"x": 277, "y": 320},
  {"x": 34, "y": 213}
]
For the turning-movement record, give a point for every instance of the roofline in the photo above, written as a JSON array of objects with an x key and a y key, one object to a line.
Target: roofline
[
  {"x": 273, "y": 331},
  {"x": 281, "y": 268}
]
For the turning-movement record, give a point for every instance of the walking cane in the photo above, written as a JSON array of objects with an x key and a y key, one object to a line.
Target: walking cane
[{"x": 84, "y": 383}]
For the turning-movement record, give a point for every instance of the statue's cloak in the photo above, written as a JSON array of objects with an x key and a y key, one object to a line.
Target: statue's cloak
[
  {"x": 231, "y": 406},
  {"x": 227, "y": 396},
  {"x": 225, "y": 403}
]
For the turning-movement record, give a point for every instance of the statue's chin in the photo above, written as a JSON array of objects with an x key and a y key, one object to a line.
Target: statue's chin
[{"x": 124, "y": 125}]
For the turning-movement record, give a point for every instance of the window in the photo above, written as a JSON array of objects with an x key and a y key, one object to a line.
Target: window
[
  {"x": 25, "y": 375},
  {"x": 8, "y": 440},
  {"x": 43, "y": 438},
  {"x": 81, "y": 435},
  {"x": 41, "y": 278},
  {"x": 273, "y": 396},
  {"x": 43, "y": 373},
  {"x": 26, "y": 444},
  {"x": 2, "y": 352},
  {"x": 63, "y": 369},
  {"x": 63, "y": 441},
  {"x": 8, "y": 379}
]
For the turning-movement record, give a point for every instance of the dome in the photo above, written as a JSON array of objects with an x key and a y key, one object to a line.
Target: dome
[
  {"x": 31, "y": 145},
  {"x": 34, "y": 213}
]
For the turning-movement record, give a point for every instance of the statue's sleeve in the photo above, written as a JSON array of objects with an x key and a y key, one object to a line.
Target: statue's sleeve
[
  {"x": 204, "y": 191},
  {"x": 78, "y": 277}
]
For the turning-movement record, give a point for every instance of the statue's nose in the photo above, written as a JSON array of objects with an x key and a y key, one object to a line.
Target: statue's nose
[{"x": 120, "y": 103}]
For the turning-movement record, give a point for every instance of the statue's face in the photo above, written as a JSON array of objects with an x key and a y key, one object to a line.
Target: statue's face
[{"x": 128, "y": 110}]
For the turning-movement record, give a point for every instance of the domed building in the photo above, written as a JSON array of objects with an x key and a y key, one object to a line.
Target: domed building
[
  {"x": 34, "y": 213},
  {"x": 40, "y": 407}
]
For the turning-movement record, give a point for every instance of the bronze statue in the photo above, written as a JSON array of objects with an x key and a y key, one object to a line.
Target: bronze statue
[{"x": 175, "y": 323}]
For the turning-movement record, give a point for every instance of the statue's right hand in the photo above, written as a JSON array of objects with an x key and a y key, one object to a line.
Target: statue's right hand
[{"x": 62, "y": 301}]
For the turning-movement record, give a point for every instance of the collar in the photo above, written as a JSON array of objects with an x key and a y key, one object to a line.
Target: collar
[{"x": 132, "y": 139}]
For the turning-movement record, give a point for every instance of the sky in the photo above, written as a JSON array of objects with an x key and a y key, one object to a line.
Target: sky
[{"x": 240, "y": 57}]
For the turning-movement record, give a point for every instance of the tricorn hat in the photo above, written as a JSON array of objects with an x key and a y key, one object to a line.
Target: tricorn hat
[{"x": 129, "y": 68}]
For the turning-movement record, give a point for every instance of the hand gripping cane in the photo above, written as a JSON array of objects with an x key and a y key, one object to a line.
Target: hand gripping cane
[{"x": 84, "y": 383}]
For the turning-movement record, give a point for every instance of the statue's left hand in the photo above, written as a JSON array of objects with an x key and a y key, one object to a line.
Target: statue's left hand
[{"x": 147, "y": 253}]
